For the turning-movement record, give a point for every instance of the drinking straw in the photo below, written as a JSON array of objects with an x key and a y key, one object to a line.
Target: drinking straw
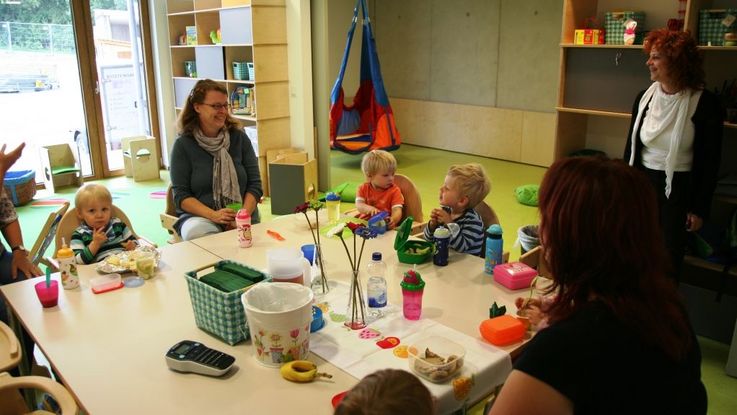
[{"x": 48, "y": 277}]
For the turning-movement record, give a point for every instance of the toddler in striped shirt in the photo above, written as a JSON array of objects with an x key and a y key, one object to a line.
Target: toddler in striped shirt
[
  {"x": 100, "y": 234},
  {"x": 465, "y": 186}
]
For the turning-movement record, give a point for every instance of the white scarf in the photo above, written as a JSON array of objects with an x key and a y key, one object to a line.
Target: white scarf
[
  {"x": 225, "y": 186},
  {"x": 659, "y": 116}
]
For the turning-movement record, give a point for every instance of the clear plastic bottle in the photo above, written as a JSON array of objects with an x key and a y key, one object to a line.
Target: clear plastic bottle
[{"x": 376, "y": 285}]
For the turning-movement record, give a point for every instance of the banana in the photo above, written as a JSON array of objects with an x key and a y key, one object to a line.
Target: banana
[{"x": 301, "y": 371}]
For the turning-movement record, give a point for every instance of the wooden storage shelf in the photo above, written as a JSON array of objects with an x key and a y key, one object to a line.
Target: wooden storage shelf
[
  {"x": 595, "y": 112},
  {"x": 250, "y": 31},
  {"x": 712, "y": 266},
  {"x": 726, "y": 199},
  {"x": 572, "y": 45},
  {"x": 603, "y": 80}
]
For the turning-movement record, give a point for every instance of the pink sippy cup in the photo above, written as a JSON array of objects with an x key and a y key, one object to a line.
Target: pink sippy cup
[
  {"x": 243, "y": 225},
  {"x": 412, "y": 288}
]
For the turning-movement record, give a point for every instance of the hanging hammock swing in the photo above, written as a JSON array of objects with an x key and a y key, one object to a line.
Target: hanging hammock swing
[{"x": 368, "y": 124}]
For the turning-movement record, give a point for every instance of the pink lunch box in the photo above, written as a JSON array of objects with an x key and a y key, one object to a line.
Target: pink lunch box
[{"x": 514, "y": 275}]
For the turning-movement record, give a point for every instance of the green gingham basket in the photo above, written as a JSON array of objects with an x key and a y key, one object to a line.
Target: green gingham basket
[
  {"x": 711, "y": 28},
  {"x": 614, "y": 25},
  {"x": 218, "y": 313}
]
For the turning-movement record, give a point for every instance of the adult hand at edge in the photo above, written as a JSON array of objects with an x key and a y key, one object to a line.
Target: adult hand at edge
[
  {"x": 8, "y": 159},
  {"x": 24, "y": 265}
]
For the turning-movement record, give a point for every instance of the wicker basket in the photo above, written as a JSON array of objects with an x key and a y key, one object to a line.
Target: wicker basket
[
  {"x": 711, "y": 29},
  {"x": 21, "y": 186},
  {"x": 614, "y": 24},
  {"x": 218, "y": 313}
]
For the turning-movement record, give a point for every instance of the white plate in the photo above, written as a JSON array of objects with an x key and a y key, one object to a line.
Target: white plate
[{"x": 124, "y": 259}]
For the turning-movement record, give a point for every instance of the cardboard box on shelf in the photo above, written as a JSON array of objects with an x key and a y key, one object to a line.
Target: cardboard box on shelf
[
  {"x": 588, "y": 37},
  {"x": 191, "y": 32}
]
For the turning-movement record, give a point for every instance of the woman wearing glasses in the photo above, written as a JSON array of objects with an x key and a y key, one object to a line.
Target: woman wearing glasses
[{"x": 212, "y": 164}]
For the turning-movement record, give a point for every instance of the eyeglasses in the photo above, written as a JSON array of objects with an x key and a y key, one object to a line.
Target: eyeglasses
[{"x": 217, "y": 107}]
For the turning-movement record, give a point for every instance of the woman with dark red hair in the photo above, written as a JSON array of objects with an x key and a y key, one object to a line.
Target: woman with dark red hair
[
  {"x": 618, "y": 339},
  {"x": 676, "y": 137}
]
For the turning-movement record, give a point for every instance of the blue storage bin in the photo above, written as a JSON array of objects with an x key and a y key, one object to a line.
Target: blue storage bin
[{"x": 21, "y": 186}]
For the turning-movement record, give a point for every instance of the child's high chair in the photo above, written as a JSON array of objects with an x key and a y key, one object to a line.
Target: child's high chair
[{"x": 10, "y": 387}]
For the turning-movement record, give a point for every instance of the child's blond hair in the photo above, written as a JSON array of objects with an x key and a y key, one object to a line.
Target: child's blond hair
[
  {"x": 90, "y": 192},
  {"x": 376, "y": 161},
  {"x": 471, "y": 181},
  {"x": 388, "y": 391}
]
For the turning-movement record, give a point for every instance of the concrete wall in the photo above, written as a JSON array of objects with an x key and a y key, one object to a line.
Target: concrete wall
[{"x": 474, "y": 76}]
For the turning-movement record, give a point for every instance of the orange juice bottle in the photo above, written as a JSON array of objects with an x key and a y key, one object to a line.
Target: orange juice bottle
[{"x": 69, "y": 278}]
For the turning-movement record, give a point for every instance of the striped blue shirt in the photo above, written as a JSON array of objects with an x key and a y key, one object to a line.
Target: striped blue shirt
[
  {"x": 117, "y": 233},
  {"x": 470, "y": 238}
]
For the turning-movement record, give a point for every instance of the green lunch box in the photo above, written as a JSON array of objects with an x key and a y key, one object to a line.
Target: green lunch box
[{"x": 411, "y": 251}]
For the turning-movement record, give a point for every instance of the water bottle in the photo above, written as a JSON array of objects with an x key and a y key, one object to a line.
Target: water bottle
[
  {"x": 243, "y": 224},
  {"x": 376, "y": 285},
  {"x": 332, "y": 202},
  {"x": 494, "y": 248},
  {"x": 65, "y": 256}
]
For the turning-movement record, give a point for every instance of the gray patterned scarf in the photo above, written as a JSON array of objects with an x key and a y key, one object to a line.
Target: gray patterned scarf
[{"x": 225, "y": 186}]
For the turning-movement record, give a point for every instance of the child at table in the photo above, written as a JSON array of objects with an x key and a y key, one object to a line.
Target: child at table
[
  {"x": 379, "y": 193},
  {"x": 99, "y": 235},
  {"x": 388, "y": 391},
  {"x": 465, "y": 186}
]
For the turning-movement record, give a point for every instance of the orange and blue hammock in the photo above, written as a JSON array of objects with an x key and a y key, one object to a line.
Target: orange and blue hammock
[{"x": 368, "y": 124}]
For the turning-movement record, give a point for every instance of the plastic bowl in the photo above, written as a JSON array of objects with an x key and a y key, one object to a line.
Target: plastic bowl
[
  {"x": 446, "y": 365},
  {"x": 407, "y": 254}
]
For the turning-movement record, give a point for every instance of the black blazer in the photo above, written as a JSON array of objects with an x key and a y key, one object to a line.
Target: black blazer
[{"x": 708, "y": 123}]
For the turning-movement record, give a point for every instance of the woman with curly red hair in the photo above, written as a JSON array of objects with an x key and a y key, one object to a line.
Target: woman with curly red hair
[
  {"x": 618, "y": 339},
  {"x": 676, "y": 137}
]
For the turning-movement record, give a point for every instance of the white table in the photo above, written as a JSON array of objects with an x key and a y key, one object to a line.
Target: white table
[{"x": 109, "y": 348}]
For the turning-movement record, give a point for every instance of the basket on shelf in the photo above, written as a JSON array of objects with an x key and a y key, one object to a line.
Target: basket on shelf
[
  {"x": 240, "y": 71},
  {"x": 217, "y": 312},
  {"x": 21, "y": 186},
  {"x": 711, "y": 27},
  {"x": 251, "y": 71},
  {"x": 614, "y": 25}
]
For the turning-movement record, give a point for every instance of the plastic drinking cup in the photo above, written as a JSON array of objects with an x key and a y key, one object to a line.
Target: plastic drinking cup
[
  {"x": 412, "y": 304},
  {"x": 48, "y": 296},
  {"x": 235, "y": 206},
  {"x": 309, "y": 252},
  {"x": 145, "y": 265}
]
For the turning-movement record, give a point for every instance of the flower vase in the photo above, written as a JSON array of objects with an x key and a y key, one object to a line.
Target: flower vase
[
  {"x": 319, "y": 284},
  {"x": 356, "y": 312}
]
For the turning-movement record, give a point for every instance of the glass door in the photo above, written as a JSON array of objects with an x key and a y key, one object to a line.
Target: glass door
[
  {"x": 120, "y": 62},
  {"x": 40, "y": 93},
  {"x": 73, "y": 76}
]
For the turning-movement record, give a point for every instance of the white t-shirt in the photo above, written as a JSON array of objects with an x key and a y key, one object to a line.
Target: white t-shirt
[{"x": 657, "y": 130}]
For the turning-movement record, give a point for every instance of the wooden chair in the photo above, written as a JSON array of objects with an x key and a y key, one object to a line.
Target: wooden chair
[
  {"x": 69, "y": 222},
  {"x": 535, "y": 258},
  {"x": 60, "y": 167},
  {"x": 10, "y": 387},
  {"x": 47, "y": 234},
  {"x": 140, "y": 158},
  {"x": 412, "y": 200},
  {"x": 169, "y": 217}
]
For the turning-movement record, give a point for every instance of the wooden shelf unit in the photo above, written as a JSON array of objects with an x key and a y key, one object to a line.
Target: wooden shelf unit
[
  {"x": 251, "y": 31},
  {"x": 602, "y": 81}
]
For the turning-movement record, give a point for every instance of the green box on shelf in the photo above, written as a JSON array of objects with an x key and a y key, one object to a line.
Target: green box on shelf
[
  {"x": 712, "y": 28},
  {"x": 217, "y": 312},
  {"x": 614, "y": 25}
]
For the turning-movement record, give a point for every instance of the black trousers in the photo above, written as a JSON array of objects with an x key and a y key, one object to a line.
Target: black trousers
[{"x": 673, "y": 212}]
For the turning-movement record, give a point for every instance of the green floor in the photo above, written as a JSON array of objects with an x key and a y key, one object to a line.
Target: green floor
[{"x": 426, "y": 167}]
